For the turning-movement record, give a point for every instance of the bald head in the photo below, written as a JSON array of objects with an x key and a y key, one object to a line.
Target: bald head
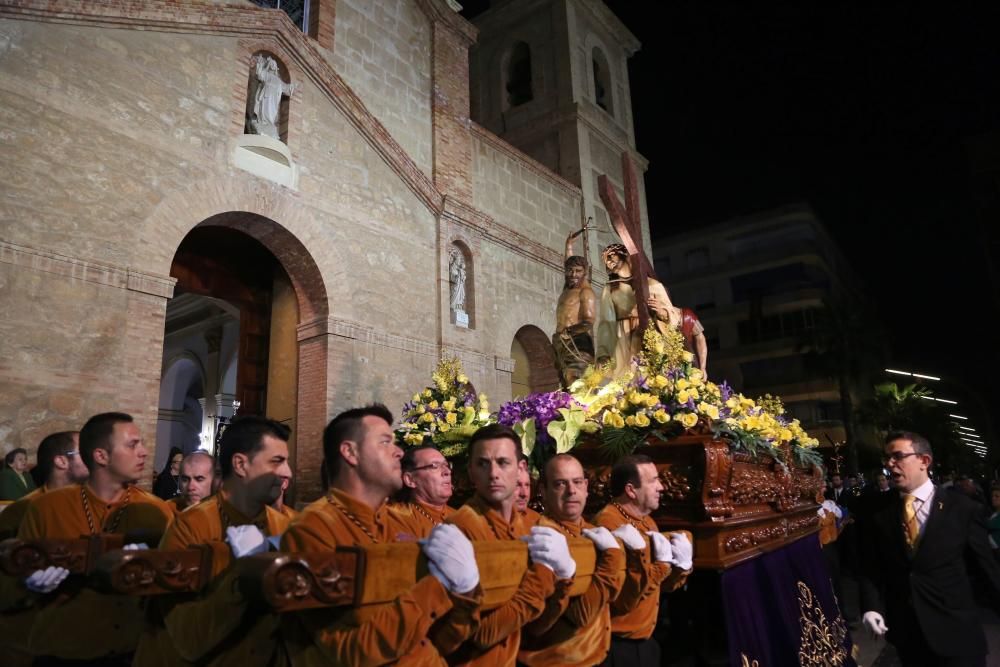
[
  {"x": 196, "y": 477},
  {"x": 565, "y": 488}
]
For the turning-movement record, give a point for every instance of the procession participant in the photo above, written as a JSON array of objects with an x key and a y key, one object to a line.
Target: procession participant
[
  {"x": 580, "y": 634},
  {"x": 426, "y": 490},
  {"x": 636, "y": 488},
  {"x": 220, "y": 627},
  {"x": 280, "y": 504},
  {"x": 490, "y": 516},
  {"x": 80, "y": 623},
  {"x": 363, "y": 464},
  {"x": 195, "y": 481},
  {"x": 523, "y": 494},
  {"x": 59, "y": 465}
]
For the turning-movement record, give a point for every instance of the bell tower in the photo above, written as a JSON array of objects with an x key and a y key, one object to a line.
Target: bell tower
[{"x": 550, "y": 77}]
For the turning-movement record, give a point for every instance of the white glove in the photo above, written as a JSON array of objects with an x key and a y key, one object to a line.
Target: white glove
[
  {"x": 47, "y": 580},
  {"x": 451, "y": 559},
  {"x": 137, "y": 546},
  {"x": 875, "y": 623},
  {"x": 662, "y": 553},
  {"x": 830, "y": 507},
  {"x": 632, "y": 538},
  {"x": 683, "y": 550},
  {"x": 601, "y": 537},
  {"x": 548, "y": 547},
  {"x": 246, "y": 540}
]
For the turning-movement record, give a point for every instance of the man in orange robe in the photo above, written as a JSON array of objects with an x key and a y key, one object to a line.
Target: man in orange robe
[
  {"x": 522, "y": 495},
  {"x": 580, "y": 633},
  {"x": 220, "y": 627},
  {"x": 195, "y": 481},
  {"x": 491, "y": 516},
  {"x": 79, "y": 623},
  {"x": 652, "y": 561},
  {"x": 59, "y": 465},
  {"x": 363, "y": 465},
  {"x": 425, "y": 493}
]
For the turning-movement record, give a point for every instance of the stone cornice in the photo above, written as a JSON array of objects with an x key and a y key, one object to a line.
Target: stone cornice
[
  {"x": 629, "y": 42},
  {"x": 99, "y": 273},
  {"x": 239, "y": 20}
]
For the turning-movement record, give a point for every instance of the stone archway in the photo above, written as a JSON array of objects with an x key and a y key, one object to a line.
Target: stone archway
[
  {"x": 534, "y": 362},
  {"x": 293, "y": 387}
]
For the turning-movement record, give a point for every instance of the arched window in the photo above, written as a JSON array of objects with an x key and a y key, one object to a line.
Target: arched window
[
  {"x": 603, "y": 95},
  {"x": 517, "y": 79},
  {"x": 299, "y": 11}
]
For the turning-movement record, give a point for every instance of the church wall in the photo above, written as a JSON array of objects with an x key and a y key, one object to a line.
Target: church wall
[{"x": 383, "y": 51}]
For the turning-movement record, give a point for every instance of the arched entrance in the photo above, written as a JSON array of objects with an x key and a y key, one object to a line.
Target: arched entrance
[
  {"x": 534, "y": 363},
  {"x": 244, "y": 285}
]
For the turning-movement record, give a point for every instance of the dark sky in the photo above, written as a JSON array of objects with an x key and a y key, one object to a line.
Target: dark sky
[{"x": 864, "y": 113}]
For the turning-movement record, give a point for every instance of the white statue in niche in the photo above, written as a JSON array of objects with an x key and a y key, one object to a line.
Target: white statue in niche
[
  {"x": 456, "y": 273},
  {"x": 267, "y": 97}
]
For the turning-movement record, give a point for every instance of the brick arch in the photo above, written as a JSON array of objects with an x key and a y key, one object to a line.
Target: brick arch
[
  {"x": 542, "y": 372},
  {"x": 267, "y": 212}
]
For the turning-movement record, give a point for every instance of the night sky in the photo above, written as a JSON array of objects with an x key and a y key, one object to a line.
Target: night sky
[{"x": 865, "y": 114}]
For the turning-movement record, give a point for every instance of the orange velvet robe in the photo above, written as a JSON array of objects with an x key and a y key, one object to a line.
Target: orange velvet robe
[
  {"x": 10, "y": 518},
  {"x": 403, "y": 633},
  {"x": 417, "y": 518},
  {"x": 76, "y": 622},
  {"x": 634, "y": 612},
  {"x": 218, "y": 627},
  {"x": 498, "y": 637},
  {"x": 581, "y": 634},
  {"x": 530, "y": 517},
  {"x": 175, "y": 505}
]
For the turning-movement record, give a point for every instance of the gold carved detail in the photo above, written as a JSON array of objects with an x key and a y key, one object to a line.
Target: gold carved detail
[{"x": 821, "y": 642}]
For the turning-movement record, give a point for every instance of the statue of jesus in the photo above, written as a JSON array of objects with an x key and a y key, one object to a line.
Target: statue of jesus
[
  {"x": 618, "y": 335},
  {"x": 576, "y": 311},
  {"x": 267, "y": 97}
]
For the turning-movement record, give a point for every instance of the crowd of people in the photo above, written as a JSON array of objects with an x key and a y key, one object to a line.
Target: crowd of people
[{"x": 376, "y": 494}]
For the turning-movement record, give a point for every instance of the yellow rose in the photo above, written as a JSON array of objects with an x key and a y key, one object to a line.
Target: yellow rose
[
  {"x": 630, "y": 420},
  {"x": 688, "y": 357},
  {"x": 427, "y": 418},
  {"x": 462, "y": 379},
  {"x": 433, "y": 405},
  {"x": 659, "y": 382},
  {"x": 785, "y": 435},
  {"x": 608, "y": 419},
  {"x": 732, "y": 403},
  {"x": 694, "y": 394},
  {"x": 427, "y": 393},
  {"x": 682, "y": 384},
  {"x": 451, "y": 418},
  {"x": 642, "y": 420},
  {"x": 661, "y": 416},
  {"x": 416, "y": 398},
  {"x": 421, "y": 409},
  {"x": 623, "y": 404},
  {"x": 696, "y": 375},
  {"x": 413, "y": 439},
  {"x": 449, "y": 404},
  {"x": 444, "y": 428},
  {"x": 683, "y": 396},
  {"x": 688, "y": 419},
  {"x": 619, "y": 422}
]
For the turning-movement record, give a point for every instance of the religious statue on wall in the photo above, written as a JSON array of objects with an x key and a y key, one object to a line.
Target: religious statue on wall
[
  {"x": 576, "y": 312},
  {"x": 619, "y": 336},
  {"x": 269, "y": 90},
  {"x": 457, "y": 279}
]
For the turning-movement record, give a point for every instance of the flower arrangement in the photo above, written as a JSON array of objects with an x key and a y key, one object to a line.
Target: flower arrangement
[
  {"x": 548, "y": 423},
  {"x": 445, "y": 414}
]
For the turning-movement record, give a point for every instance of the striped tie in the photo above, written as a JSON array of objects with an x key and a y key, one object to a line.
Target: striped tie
[{"x": 911, "y": 529}]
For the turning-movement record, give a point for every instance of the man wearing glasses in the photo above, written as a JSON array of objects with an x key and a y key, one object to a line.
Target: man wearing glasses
[
  {"x": 59, "y": 465},
  {"x": 425, "y": 493},
  {"x": 915, "y": 580}
]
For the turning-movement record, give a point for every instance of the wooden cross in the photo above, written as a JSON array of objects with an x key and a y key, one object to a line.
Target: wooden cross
[{"x": 627, "y": 223}]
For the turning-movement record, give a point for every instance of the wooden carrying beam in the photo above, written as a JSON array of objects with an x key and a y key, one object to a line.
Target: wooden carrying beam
[{"x": 19, "y": 558}]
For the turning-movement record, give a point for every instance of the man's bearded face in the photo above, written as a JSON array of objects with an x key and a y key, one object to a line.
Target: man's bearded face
[{"x": 574, "y": 276}]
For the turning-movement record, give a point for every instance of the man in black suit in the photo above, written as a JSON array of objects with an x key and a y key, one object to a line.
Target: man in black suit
[{"x": 919, "y": 551}]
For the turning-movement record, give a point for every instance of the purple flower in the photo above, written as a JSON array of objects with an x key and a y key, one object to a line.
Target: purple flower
[{"x": 543, "y": 407}]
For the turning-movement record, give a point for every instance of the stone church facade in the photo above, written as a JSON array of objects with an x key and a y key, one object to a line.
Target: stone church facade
[{"x": 158, "y": 260}]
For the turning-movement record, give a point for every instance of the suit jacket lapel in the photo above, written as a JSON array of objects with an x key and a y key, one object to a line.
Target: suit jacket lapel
[{"x": 935, "y": 518}]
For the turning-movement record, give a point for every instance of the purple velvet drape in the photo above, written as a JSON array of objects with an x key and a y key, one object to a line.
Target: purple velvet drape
[{"x": 781, "y": 611}]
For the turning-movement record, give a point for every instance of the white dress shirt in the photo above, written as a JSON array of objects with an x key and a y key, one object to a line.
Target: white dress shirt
[{"x": 923, "y": 497}]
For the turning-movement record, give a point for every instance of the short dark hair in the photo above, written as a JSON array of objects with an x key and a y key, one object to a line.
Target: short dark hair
[
  {"x": 96, "y": 434},
  {"x": 409, "y": 460},
  {"x": 626, "y": 472},
  {"x": 492, "y": 432},
  {"x": 348, "y": 425},
  {"x": 51, "y": 446},
  {"x": 920, "y": 444},
  {"x": 575, "y": 260},
  {"x": 245, "y": 435},
  {"x": 12, "y": 454}
]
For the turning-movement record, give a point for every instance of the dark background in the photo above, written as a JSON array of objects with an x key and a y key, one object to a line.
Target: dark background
[{"x": 868, "y": 115}]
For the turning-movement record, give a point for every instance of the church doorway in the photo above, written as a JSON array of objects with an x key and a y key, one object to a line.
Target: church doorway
[
  {"x": 534, "y": 363},
  {"x": 232, "y": 346}
]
